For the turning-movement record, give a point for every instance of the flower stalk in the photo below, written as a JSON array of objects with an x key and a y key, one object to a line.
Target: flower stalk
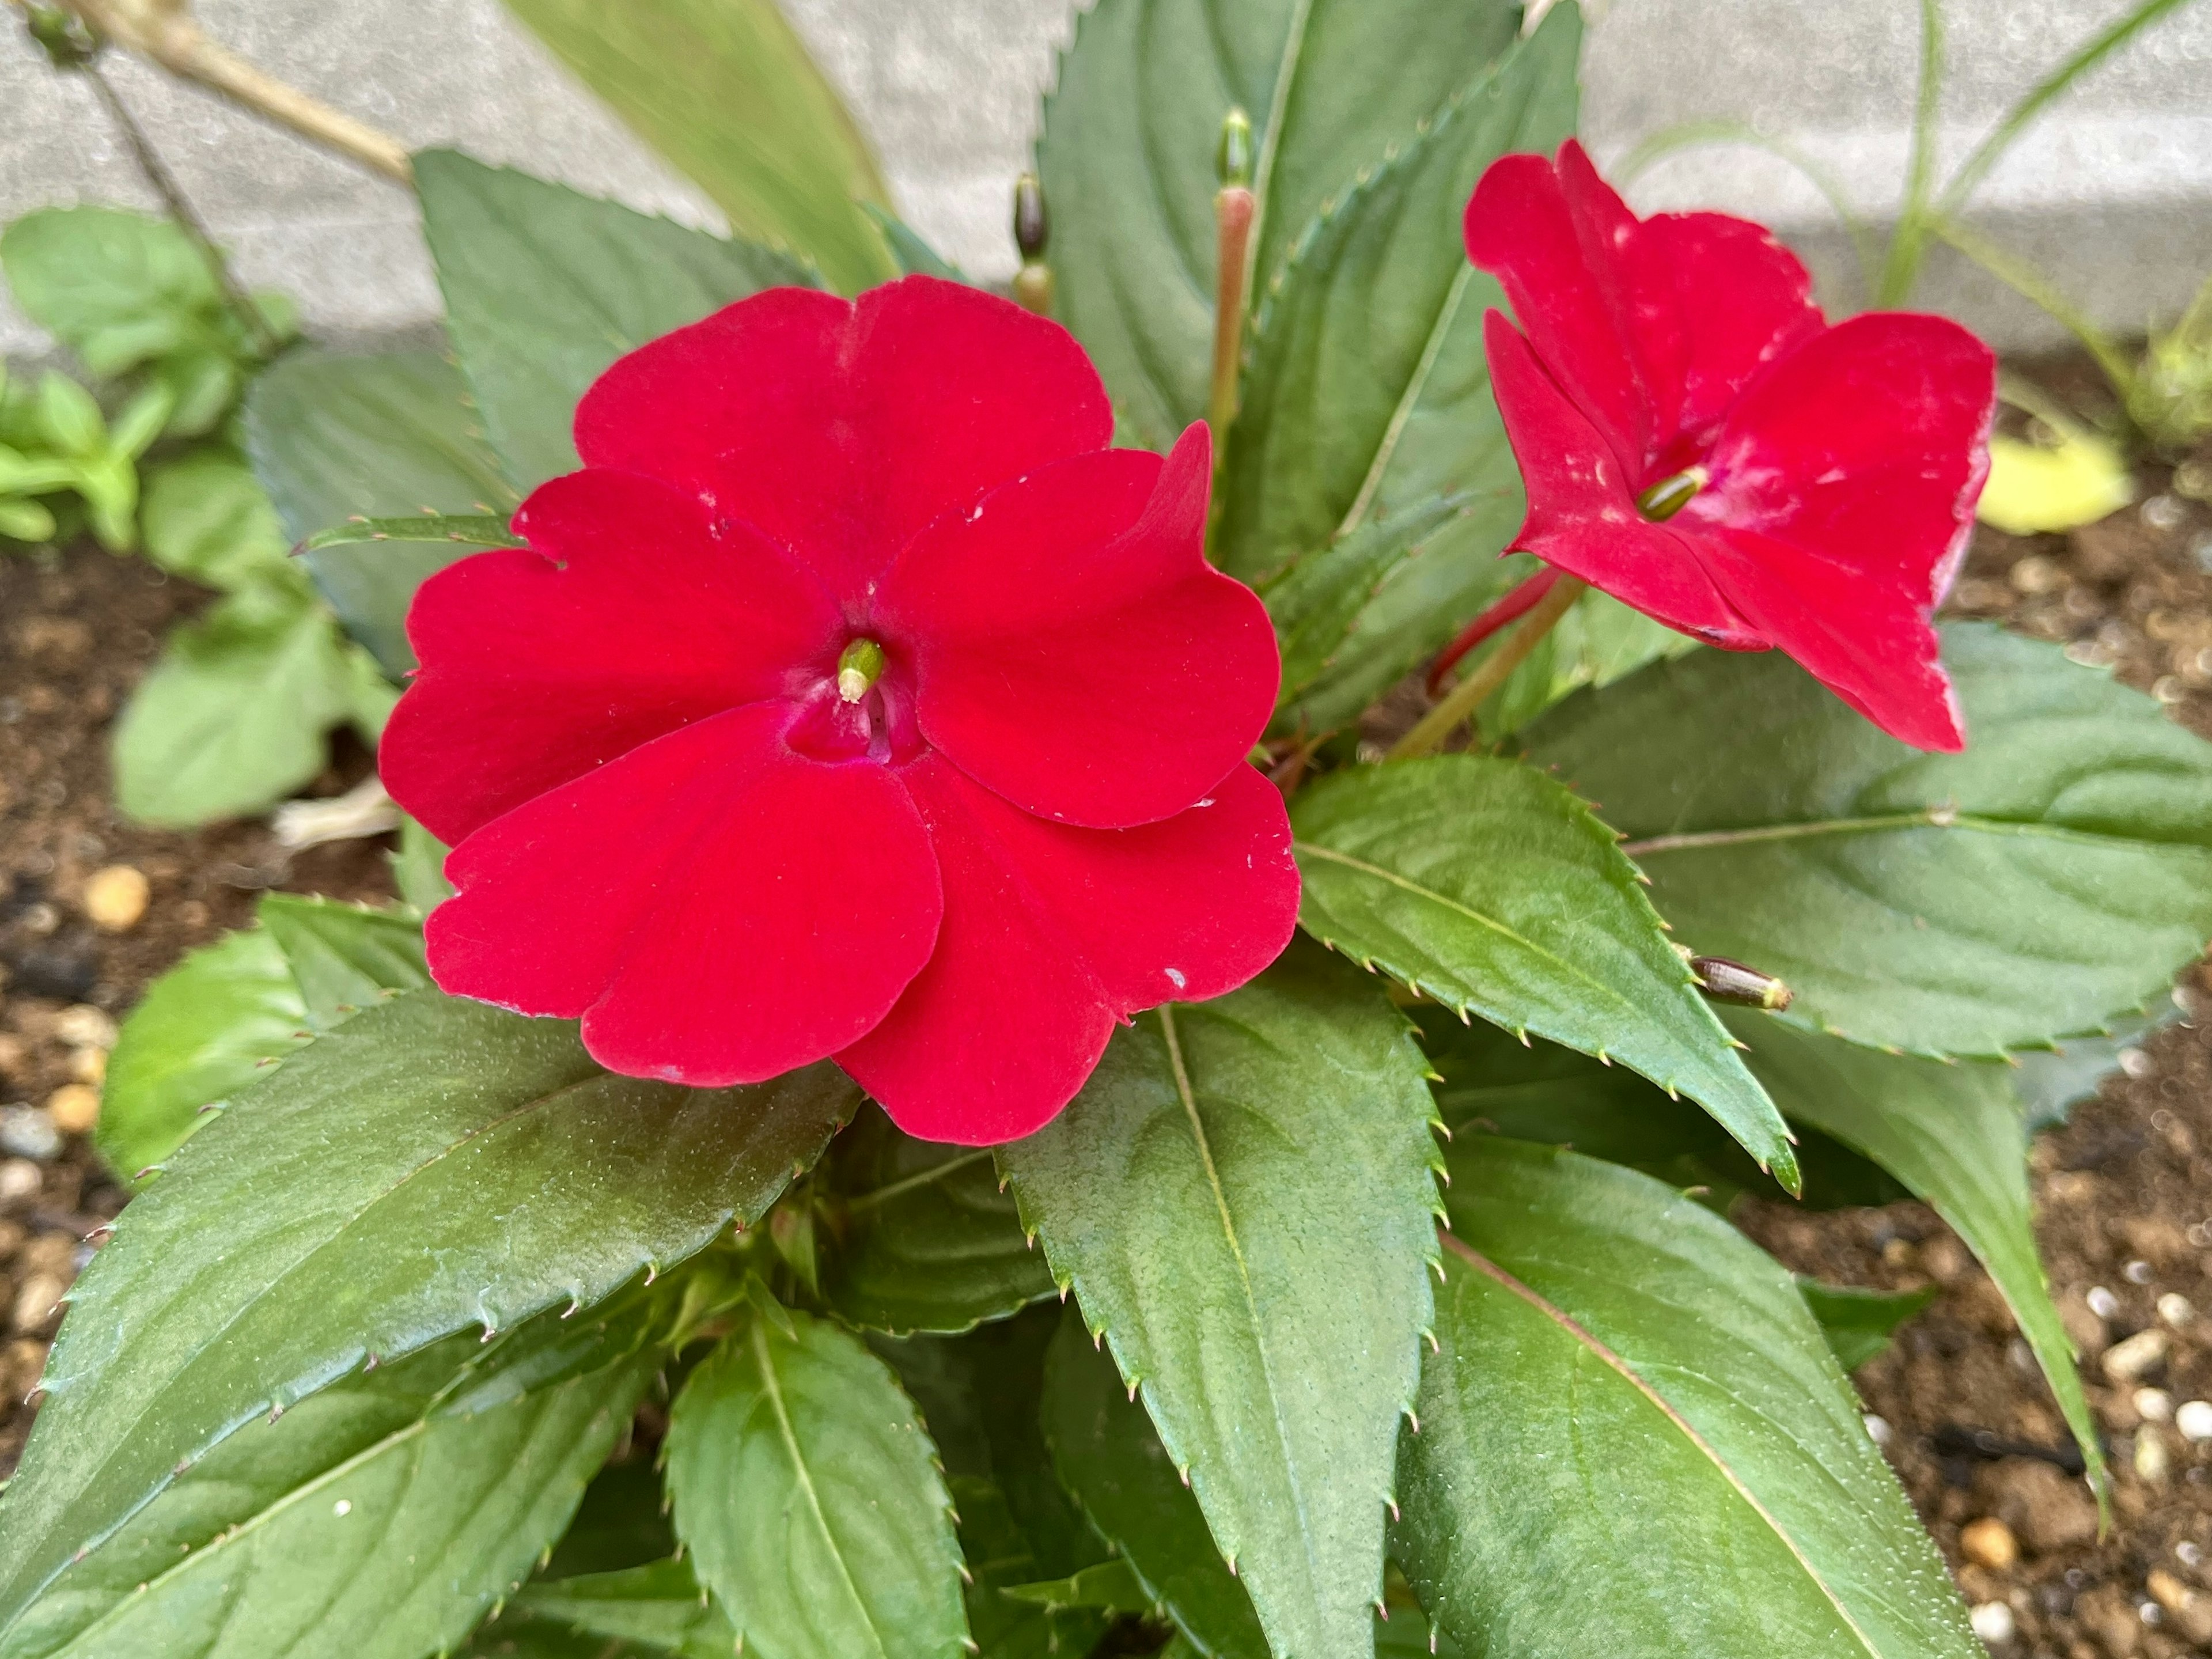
[
  {"x": 1471, "y": 692},
  {"x": 1234, "y": 210},
  {"x": 1515, "y": 605}
]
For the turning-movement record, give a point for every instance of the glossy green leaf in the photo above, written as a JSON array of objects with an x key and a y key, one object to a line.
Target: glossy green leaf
[
  {"x": 334, "y": 438},
  {"x": 2051, "y": 880},
  {"x": 658, "y": 1606},
  {"x": 380, "y": 1517},
  {"x": 1233, "y": 1168},
  {"x": 1487, "y": 886},
  {"x": 428, "y": 1164},
  {"x": 1634, "y": 1439},
  {"x": 1954, "y": 1135},
  {"x": 927, "y": 1240},
  {"x": 235, "y": 716},
  {"x": 724, "y": 90},
  {"x": 206, "y": 516},
  {"x": 213, "y": 1023},
  {"x": 1127, "y": 156},
  {"x": 1490, "y": 1082},
  {"x": 545, "y": 286},
  {"x": 1105, "y": 1449},
  {"x": 1859, "y": 1323},
  {"x": 808, "y": 1495}
]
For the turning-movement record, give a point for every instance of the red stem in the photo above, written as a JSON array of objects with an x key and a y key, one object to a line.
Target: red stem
[{"x": 1517, "y": 603}]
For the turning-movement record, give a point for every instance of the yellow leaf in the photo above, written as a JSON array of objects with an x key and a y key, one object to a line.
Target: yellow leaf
[{"x": 2034, "y": 488}]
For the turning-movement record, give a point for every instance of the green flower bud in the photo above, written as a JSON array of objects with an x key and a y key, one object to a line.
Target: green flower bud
[
  {"x": 1233, "y": 161},
  {"x": 1663, "y": 499},
  {"x": 860, "y": 666}
]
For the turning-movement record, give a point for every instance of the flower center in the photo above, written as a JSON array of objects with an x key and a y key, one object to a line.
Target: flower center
[
  {"x": 1662, "y": 500},
  {"x": 858, "y": 667}
]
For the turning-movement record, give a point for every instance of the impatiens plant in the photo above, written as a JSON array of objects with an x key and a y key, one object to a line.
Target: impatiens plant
[{"x": 1074, "y": 984}]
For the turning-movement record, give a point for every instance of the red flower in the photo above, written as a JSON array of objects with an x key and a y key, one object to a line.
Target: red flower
[
  {"x": 854, "y": 700},
  {"x": 1700, "y": 444}
]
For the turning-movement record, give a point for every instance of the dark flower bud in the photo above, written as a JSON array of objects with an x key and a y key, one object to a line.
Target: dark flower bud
[
  {"x": 1663, "y": 499},
  {"x": 1731, "y": 982},
  {"x": 1032, "y": 224}
]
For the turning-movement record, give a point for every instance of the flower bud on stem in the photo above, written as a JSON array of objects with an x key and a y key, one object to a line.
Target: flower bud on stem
[
  {"x": 1033, "y": 282},
  {"x": 1724, "y": 981},
  {"x": 1469, "y": 694},
  {"x": 1234, "y": 210}
]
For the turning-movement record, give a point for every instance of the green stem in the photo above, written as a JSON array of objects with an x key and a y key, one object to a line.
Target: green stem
[
  {"x": 1234, "y": 208},
  {"x": 1469, "y": 694},
  {"x": 1901, "y": 268},
  {"x": 2031, "y": 284}
]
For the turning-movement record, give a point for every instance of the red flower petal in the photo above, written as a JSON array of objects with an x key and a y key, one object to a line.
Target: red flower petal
[
  {"x": 627, "y": 618},
  {"x": 718, "y": 908},
  {"x": 1841, "y": 500},
  {"x": 842, "y": 428},
  {"x": 1072, "y": 649},
  {"x": 1582, "y": 516},
  {"x": 1051, "y": 933},
  {"x": 1649, "y": 326}
]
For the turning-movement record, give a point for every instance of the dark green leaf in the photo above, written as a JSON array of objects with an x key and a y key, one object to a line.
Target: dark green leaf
[
  {"x": 430, "y": 1163},
  {"x": 2051, "y": 880},
  {"x": 379, "y": 1516},
  {"x": 471, "y": 530},
  {"x": 213, "y": 1024},
  {"x": 914, "y": 256},
  {"x": 2049, "y": 1085},
  {"x": 808, "y": 1495},
  {"x": 999, "y": 1557},
  {"x": 1106, "y": 1450},
  {"x": 928, "y": 1240},
  {"x": 1111, "y": 1587},
  {"x": 336, "y": 438},
  {"x": 724, "y": 90},
  {"x": 1858, "y": 1323},
  {"x": 1489, "y": 887},
  {"x": 233, "y": 717},
  {"x": 1634, "y": 1440},
  {"x": 622, "y": 1522},
  {"x": 544, "y": 288},
  {"x": 1127, "y": 156},
  {"x": 659, "y": 1605},
  {"x": 1231, "y": 1168},
  {"x": 1951, "y": 1134}
]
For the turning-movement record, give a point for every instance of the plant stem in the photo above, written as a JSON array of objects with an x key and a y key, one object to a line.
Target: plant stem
[
  {"x": 161, "y": 30},
  {"x": 180, "y": 210},
  {"x": 1900, "y": 269},
  {"x": 2031, "y": 284},
  {"x": 1233, "y": 209},
  {"x": 1516, "y": 605},
  {"x": 1471, "y": 692}
]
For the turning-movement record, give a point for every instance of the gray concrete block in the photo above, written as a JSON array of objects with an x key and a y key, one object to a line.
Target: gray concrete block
[{"x": 2112, "y": 196}]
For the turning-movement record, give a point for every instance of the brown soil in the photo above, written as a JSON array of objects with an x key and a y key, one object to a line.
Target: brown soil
[{"x": 2124, "y": 1190}]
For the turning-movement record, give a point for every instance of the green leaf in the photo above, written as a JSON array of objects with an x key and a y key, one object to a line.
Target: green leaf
[
  {"x": 911, "y": 254},
  {"x": 430, "y": 1163},
  {"x": 1858, "y": 1323},
  {"x": 335, "y": 438},
  {"x": 1318, "y": 601},
  {"x": 928, "y": 1241},
  {"x": 419, "y": 868},
  {"x": 808, "y": 1493},
  {"x": 1111, "y": 1587},
  {"x": 2049, "y": 1085},
  {"x": 1127, "y": 156},
  {"x": 1489, "y": 1081},
  {"x": 472, "y": 530},
  {"x": 2051, "y": 880},
  {"x": 622, "y": 1522},
  {"x": 382, "y": 1517},
  {"x": 659, "y": 1605},
  {"x": 206, "y": 517},
  {"x": 724, "y": 90},
  {"x": 1107, "y": 1452},
  {"x": 1618, "y": 1364},
  {"x": 544, "y": 288},
  {"x": 1599, "y": 641},
  {"x": 213, "y": 1024},
  {"x": 115, "y": 287},
  {"x": 1951, "y": 1134},
  {"x": 233, "y": 718},
  {"x": 1231, "y": 1168},
  {"x": 1485, "y": 885}
]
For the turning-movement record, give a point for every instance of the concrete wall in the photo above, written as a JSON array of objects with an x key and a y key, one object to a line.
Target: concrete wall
[{"x": 2112, "y": 196}]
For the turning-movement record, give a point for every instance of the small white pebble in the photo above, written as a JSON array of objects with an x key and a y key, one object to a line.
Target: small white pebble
[
  {"x": 1878, "y": 1429},
  {"x": 1992, "y": 1622},
  {"x": 2187, "y": 1553},
  {"x": 2174, "y": 1308},
  {"x": 2126, "y": 1362},
  {"x": 344, "y": 1506},
  {"x": 2162, "y": 513},
  {"x": 19, "y": 1178},
  {"x": 2135, "y": 1062},
  {"x": 2151, "y": 1613},
  {"x": 2151, "y": 1459},
  {"x": 2102, "y": 1303},
  {"x": 2138, "y": 1273},
  {"x": 2193, "y": 1419},
  {"x": 2153, "y": 1405}
]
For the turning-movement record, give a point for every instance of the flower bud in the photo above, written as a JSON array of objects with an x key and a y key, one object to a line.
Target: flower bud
[
  {"x": 1032, "y": 224},
  {"x": 1232, "y": 160},
  {"x": 1663, "y": 499},
  {"x": 1731, "y": 982},
  {"x": 858, "y": 667}
]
